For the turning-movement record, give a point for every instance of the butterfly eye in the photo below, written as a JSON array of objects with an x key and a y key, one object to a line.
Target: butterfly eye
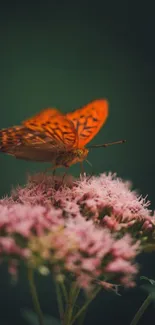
[{"x": 80, "y": 153}]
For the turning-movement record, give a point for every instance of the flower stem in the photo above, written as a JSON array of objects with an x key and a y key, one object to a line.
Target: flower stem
[
  {"x": 35, "y": 296},
  {"x": 64, "y": 291},
  {"x": 60, "y": 302},
  {"x": 85, "y": 306},
  {"x": 82, "y": 317},
  {"x": 141, "y": 310},
  {"x": 73, "y": 294}
]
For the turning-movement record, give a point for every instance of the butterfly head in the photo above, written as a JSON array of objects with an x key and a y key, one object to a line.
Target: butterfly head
[
  {"x": 81, "y": 154},
  {"x": 75, "y": 156}
]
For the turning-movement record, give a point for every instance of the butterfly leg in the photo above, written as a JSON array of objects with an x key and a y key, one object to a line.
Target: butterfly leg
[
  {"x": 54, "y": 172},
  {"x": 90, "y": 176},
  {"x": 63, "y": 177},
  {"x": 53, "y": 176},
  {"x": 51, "y": 168},
  {"x": 92, "y": 173},
  {"x": 82, "y": 168}
]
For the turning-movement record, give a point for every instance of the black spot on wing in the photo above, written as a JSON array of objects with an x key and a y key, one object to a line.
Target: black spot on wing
[{"x": 94, "y": 119}]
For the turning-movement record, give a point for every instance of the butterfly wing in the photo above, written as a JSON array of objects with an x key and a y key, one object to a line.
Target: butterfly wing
[
  {"x": 43, "y": 118},
  {"x": 41, "y": 143},
  {"x": 25, "y": 144},
  {"x": 48, "y": 134},
  {"x": 89, "y": 119},
  {"x": 52, "y": 122}
]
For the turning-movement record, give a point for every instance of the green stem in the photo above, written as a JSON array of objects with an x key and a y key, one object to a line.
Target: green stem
[
  {"x": 74, "y": 291},
  {"x": 85, "y": 306},
  {"x": 141, "y": 310},
  {"x": 82, "y": 317},
  {"x": 35, "y": 296},
  {"x": 60, "y": 302},
  {"x": 75, "y": 296},
  {"x": 64, "y": 291}
]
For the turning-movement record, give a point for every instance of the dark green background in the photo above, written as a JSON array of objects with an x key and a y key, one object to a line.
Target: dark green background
[{"x": 65, "y": 54}]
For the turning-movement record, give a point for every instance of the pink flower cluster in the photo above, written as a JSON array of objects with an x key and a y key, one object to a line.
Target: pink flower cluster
[
  {"x": 106, "y": 199},
  {"x": 77, "y": 226},
  {"x": 88, "y": 252}
]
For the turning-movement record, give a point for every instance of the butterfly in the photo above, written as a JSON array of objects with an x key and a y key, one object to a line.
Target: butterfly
[{"x": 51, "y": 136}]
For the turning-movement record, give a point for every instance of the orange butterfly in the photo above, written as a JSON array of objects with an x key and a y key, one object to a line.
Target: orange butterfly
[{"x": 53, "y": 137}]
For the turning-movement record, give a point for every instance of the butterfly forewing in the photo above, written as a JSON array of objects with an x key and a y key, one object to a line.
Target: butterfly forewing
[
  {"x": 89, "y": 119},
  {"x": 52, "y": 123},
  {"x": 44, "y": 117}
]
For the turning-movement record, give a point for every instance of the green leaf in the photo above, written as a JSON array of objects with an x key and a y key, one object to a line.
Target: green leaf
[
  {"x": 32, "y": 319},
  {"x": 149, "y": 288},
  {"x": 147, "y": 279}
]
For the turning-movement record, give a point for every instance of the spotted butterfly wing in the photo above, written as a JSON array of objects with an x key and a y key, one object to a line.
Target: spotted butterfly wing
[
  {"x": 89, "y": 119},
  {"x": 25, "y": 144},
  {"x": 41, "y": 138},
  {"x": 52, "y": 123},
  {"x": 42, "y": 119},
  {"x": 50, "y": 135}
]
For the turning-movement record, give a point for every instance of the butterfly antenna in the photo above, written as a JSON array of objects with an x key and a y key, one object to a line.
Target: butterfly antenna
[{"x": 106, "y": 144}]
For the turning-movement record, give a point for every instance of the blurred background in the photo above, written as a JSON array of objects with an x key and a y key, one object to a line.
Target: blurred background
[{"x": 64, "y": 54}]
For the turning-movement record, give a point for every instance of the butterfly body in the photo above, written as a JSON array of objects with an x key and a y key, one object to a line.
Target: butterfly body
[
  {"x": 74, "y": 156},
  {"x": 53, "y": 137}
]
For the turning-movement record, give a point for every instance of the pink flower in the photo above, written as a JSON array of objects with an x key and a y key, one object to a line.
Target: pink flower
[
  {"x": 85, "y": 250},
  {"x": 121, "y": 266},
  {"x": 91, "y": 227},
  {"x": 8, "y": 246},
  {"x": 25, "y": 219},
  {"x": 125, "y": 248}
]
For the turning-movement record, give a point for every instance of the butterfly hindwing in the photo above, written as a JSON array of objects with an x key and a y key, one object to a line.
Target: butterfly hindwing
[
  {"x": 51, "y": 140},
  {"x": 9, "y": 139},
  {"x": 26, "y": 144}
]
